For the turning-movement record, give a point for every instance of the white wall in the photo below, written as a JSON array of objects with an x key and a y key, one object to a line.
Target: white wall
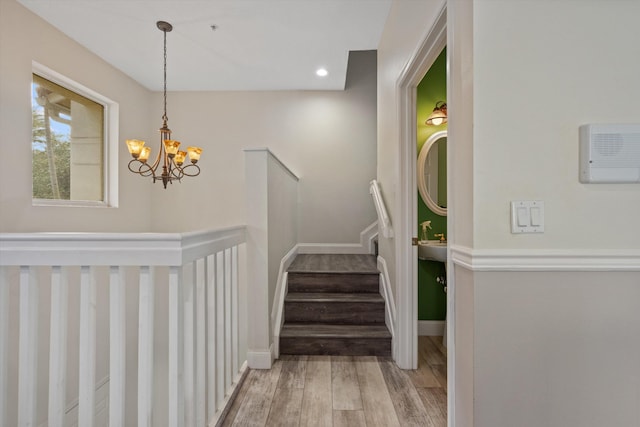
[
  {"x": 24, "y": 38},
  {"x": 327, "y": 138},
  {"x": 273, "y": 201},
  {"x": 553, "y": 345},
  {"x": 533, "y": 89},
  {"x": 557, "y": 349}
]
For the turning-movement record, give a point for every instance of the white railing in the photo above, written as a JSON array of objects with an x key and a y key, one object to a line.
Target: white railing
[
  {"x": 384, "y": 221},
  {"x": 184, "y": 323}
]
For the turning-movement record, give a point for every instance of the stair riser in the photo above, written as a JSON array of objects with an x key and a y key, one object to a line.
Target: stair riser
[
  {"x": 336, "y": 346},
  {"x": 333, "y": 312},
  {"x": 333, "y": 282}
]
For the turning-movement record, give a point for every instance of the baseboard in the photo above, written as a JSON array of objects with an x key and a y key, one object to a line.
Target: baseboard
[
  {"x": 277, "y": 309},
  {"x": 261, "y": 359},
  {"x": 434, "y": 328},
  {"x": 366, "y": 245},
  {"x": 219, "y": 418},
  {"x": 390, "y": 305}
]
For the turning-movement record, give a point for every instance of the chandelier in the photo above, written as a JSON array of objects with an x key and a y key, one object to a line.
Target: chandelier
[{"x": 169, "y": 155}]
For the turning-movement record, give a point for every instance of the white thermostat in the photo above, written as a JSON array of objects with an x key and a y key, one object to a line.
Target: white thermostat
[{"x": 610, "y": 153}]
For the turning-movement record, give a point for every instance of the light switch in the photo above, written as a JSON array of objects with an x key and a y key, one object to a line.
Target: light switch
[
  {"x": 535, "y": 216},
  {"x": 523, "y": 216},
  {"x": 527, "y": 216}
]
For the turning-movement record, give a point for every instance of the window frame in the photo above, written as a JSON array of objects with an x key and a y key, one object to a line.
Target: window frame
[{"x": 109, "y": 146}]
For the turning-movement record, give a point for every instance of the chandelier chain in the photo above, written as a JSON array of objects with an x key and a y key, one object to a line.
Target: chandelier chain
[{"x": 164, "y": 116}]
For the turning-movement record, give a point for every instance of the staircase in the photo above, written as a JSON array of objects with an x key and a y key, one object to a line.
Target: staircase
[{"x": 333, "y": 306}]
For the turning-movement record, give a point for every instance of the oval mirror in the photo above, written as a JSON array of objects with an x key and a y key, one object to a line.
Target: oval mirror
[{"x": 432, "y": 173}]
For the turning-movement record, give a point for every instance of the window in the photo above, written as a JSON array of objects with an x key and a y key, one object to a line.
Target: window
[{"x": 70, "y": 144}]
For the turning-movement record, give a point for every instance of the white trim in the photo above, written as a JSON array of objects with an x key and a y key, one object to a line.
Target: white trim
[
  {"x": 110, "y": 140},
  {"x": 277, "y": 310},
  {"x": 381, "y": 209},
  {"x": 545, "y": 259},
  {"x": 390, "y": 305},
  {"x": 368, "y": 237},
  {"x": 123, "y": 249},
  {"x": 431, "y": 328},
  {"x": 406, "y": 278},
  {"x": 231, "y": 395},
  {"x": 261, "y": 359},
  {"x": 270, "y": 153},
  {"x": 366, "y": 245}
]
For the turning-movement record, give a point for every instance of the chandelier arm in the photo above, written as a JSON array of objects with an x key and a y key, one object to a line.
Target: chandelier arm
[
  {"x": 191, "y": 170},
  {"x": 141, "y": 168}
]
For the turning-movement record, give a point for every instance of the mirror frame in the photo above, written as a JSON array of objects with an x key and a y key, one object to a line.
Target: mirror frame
[{"x": 422, "y": 184}]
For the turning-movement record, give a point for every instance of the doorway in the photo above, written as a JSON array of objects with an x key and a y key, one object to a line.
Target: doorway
[{"x": 432, "y": 45}]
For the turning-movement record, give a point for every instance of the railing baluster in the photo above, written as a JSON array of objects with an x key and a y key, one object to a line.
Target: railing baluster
[
  {"x": 58, "y": 347},
  {"x": 176, "y": 348},
  {"x": 201, "y": 343},
  {"x": 203, "y": 325},
  {"x": 189, "y": 345},
  {"x": 211, "y": 336},
  {"x": 228, "y": 377},
  {"x": 220, "y": 389},
  {"x": 4, "y": 343},
  {"x": 145, "y": 347},
  {"x": 28, "y": 347},
  {"x": 117, "y": 352},
  {"x": 234, "y": 311},
  {"x": 87, "y": 347}
]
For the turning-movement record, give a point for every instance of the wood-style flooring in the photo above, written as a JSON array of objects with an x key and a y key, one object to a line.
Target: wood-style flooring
[{"x": 345, "y": 391}]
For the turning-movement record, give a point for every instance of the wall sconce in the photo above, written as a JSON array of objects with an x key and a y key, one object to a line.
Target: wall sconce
[{"x": 439, "y": 114}]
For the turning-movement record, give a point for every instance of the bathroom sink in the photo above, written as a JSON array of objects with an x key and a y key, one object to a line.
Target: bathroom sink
[{"x": 432, "y": 250}]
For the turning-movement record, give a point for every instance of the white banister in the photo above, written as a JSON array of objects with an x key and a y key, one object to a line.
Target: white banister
[
  {"x": 384, "y": 220},
  {"x": 176, "y": 344},
  {"x": 58, "y": 347},
  {"x": 221, "y": 315},
  {"x": 189, "y": 347},
  {"x": 203, "y": 341},
  {"x": 27, "y": 374},
  {"x": 4, "y": 343},
  {"x": 117, "y": 350},
  {"x": 87, "y": 348},
  {"x": 228, "y": 375},
  {"x": 201, "y": 337},
  {"x": 233, "y": 317},
  {"x": 145, "y": 347},
  {"x": 211, "y": 336}
]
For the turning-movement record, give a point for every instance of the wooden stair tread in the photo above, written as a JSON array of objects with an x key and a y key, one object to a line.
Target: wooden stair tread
[
  {"x": 333, "y": 297},
  {"x": 293, "y": 330},
  {"x": 334, "y": 263}
]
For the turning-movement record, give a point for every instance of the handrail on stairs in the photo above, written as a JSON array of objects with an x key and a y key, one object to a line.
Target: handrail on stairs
[{"x": 383, "y": 217}]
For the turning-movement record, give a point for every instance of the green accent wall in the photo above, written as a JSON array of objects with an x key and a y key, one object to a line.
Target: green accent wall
[{"x": 433, "y": 88}]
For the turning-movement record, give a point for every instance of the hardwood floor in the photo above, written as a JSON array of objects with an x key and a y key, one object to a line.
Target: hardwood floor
[{"x": 345, "y": 391}]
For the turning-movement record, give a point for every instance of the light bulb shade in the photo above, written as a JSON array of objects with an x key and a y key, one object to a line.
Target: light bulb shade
[
  {"x": 180, "y": 156},
  {"x": 439, "y": 115},
  {"x": 171, "y": 146},
  {"x": 135, "y": 147},
  {"x": 194, "y": 153},
  {"x": 144, "y": 154}
]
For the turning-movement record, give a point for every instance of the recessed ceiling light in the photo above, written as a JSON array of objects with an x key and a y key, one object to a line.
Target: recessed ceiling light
[{"x": 321, "y": 72}]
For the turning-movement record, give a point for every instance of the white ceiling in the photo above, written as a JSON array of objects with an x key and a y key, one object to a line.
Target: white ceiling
[{"x": 258, "y": 44}]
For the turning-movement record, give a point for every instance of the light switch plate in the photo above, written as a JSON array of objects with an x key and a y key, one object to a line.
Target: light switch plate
[{"x": 527, "y": 216}]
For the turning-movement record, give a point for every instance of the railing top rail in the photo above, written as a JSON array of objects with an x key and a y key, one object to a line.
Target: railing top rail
[{"x": 158, "y": 249}]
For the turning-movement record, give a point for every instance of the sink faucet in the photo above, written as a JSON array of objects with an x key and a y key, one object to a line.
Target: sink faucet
[
  {"x": 425, "y": 225},
  {"x": 441, "y": 236}
]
